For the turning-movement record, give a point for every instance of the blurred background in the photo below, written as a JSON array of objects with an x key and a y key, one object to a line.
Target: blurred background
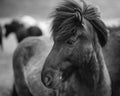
[{"x": 39, "y": 10}]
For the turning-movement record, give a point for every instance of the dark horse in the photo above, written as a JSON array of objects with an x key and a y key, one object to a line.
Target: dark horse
[
  {"x": 21, "y": 31},
  {"x": 75, "y": 66},
  {"x": 1, "y": 36}
]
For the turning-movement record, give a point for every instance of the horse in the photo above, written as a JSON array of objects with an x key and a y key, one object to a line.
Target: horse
[
  {"x": 1, "y": 36},
  {"x": 12, "y": 27},
  {"x": 28, "y": 60},
  {"x": 21, "y": 31},
  {"x": 75, "y": 65}
]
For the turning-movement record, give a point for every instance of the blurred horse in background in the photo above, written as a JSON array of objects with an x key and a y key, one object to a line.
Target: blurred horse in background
[{"x": 21, "y": 31}]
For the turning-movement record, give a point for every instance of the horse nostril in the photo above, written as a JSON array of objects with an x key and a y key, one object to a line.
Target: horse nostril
[{"x": 48, "y": 80}]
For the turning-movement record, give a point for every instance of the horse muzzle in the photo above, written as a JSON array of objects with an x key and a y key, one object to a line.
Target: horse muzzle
[{"x": 51, "y": 79}]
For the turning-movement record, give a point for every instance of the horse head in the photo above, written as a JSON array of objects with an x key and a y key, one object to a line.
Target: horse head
[{"x": 75, "y": 65}]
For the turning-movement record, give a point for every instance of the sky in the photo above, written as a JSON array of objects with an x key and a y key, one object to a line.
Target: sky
[{"x": 42, "y": 8}]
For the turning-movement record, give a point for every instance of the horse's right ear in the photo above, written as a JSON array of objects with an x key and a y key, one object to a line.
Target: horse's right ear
[{"x": 101, "y": 30}]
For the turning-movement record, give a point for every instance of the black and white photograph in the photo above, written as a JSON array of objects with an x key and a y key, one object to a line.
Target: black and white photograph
[{"x": 59, "y": 47}]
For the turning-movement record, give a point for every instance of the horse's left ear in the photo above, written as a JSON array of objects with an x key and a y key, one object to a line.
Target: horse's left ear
[{"x": 101, "y": 30}]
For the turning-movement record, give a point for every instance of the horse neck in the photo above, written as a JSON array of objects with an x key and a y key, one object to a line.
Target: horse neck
[
  {"x": 104, "y": 83},
  {"x": 20, "y": 83}
]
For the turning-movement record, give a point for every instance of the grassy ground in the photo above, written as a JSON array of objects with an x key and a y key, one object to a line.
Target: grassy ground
[{"x": 6, "y": 73}]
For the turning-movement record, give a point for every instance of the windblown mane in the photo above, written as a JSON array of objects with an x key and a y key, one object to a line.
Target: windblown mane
[{"x": 68, "y": 17}]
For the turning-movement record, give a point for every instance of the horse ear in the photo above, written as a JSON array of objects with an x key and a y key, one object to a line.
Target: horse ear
[{"x": 101, "y": 30}]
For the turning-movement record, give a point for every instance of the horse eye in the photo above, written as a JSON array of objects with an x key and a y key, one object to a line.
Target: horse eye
[{"x": 70, "y": 41}]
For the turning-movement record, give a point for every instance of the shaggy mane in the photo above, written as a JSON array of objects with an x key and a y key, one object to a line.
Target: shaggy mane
[{"x": 67, "y": 18}]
